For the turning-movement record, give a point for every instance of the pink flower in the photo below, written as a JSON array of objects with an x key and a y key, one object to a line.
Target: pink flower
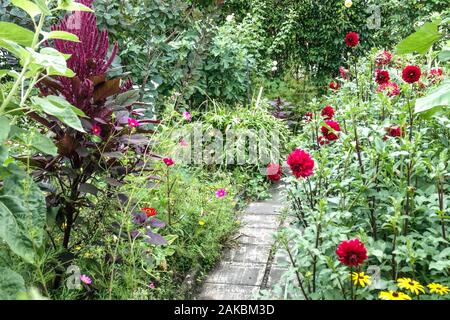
[
  {"x": 96, "y": 130},
  {"x": 390, "y": 89},
  {"x": 168, "y": 161},
  {"x": 187, "y": 116},
  {"x": 151, "y": 285},
  {"x": 133, "y": 122},
  {"x": 343, "y": 72},
  {"x": 221, "y": 193},
  {"x": 85, "y": 279},
  {"x": 183, "y": 143}
]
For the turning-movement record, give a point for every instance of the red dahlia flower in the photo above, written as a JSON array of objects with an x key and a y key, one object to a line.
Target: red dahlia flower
[
  {"x": 391, "y": 89},
  {"x": 382, "y": 76},
  {"x": 301, "y": 163},
  {"x": 328, "y": 112},
  {"x": 335, "y": 85},
  {"x": 383, "y": 58},
  {"x": 394, "y": 131},
  {"x": 168, "y": 162},
  {"x": 149, "y": 212},
  {"x": 274, "y": 172},
  {"x": 351, "y": 253},
  {"x": 351, "y": 39},
  {"x": 436, "y": 72},
  {"x": 330, "y": 134},
  {"x": 411, "y": 74}
]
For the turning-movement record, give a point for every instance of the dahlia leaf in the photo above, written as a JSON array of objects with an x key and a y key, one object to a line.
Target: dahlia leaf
[
  {"x": 29, "y": 7},
  {"x": 11, "y": 284},
  {"x": 4, "y": 129},
  {"x": 13, "y": 32},
  {"x": 421, "y": 40}
]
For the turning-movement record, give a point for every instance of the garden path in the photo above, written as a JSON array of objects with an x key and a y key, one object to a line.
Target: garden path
[{"x": 254, "y": 263}]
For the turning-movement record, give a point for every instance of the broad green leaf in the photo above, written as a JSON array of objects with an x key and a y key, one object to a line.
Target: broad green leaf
[
  {"x": 11, "y": 230},
  {"x": 4, "y": 154},
  {"x": 29, "y": 7},
  {"x": 34, "y": 139},
  {"x": 43, "y": 6},
  {"x": 60, "y": 109},
  {"x": 52, "y": 60},
  {"x": 421, "y": 40},
  {"x": 444, "y": 55},
  {"x": 11, "y": 284},
  {"x": 18, "y": 183},
  {"x": 4, "y": 129},
  {"x": 61, "y": 35},
  {"x": 440, "y": 96},
  {"x": 70, "y": 5},
  {"x": 14, "y": 49},
  {"x": 13, "y": 32}
]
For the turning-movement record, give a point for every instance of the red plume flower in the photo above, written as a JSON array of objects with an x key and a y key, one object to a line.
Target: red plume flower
[
  {"x": 382, "y": 76},
  {"x": 411, "y": 74},
  {"x": 351, "y": 253},
  {"x": 328, "y": 112},
  {"x": 352, "y": 39},
  {"x": 301, "y": 163},
  {"x": 330, "y": 134}
]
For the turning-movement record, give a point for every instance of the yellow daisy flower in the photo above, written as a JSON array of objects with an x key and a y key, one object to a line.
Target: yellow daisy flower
[
  {"x": 201, "y": 222},
  {"x": 411, "y": 285},
  {"x": 393, "y": 295},
  {"x": 361, "y": 279},
  {"x": 438, "y": 288}
]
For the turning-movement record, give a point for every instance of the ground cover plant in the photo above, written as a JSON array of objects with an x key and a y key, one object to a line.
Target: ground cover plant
[{"x": 133, "y": 135}]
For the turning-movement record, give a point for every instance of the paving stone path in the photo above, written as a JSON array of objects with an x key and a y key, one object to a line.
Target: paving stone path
[{"x": 253, "y": 264}]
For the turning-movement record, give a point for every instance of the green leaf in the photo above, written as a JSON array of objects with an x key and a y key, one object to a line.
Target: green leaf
[
  {"x": 11, "y": 230},
  {"x": 421, "y": 40},
  {"x": 440, "y": 96},
  {"x": 60, "y": 109},
  {"x": 11, "y": 284},
  {"x": 4, "y": 129},
  {"x": 15, "y": 49},
  {"x": 61, "y": 35},
  {"x": 53, "y": 61},
  {"x": 27, "y": 6},
  {"x": 13, "y": 32},
  {"x": 43, "y": 6},
  {"x": 4, "y": 154},
  {"x": 34, "y": 139},
  {"x": 70, "y": 5}
]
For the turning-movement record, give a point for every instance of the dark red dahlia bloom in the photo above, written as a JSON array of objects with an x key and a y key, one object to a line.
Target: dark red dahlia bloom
[
  {"x": 382, "y": 76},
  {"x": 436, "y": 72},
  {"x": 335, "y": 85},
  {"x": 383, "y": 58},
  {"x": 301, "y": 163},
  {"x": 274, "y": 172},
  {"x": 352, "y": 39},
  {"x": 411, "y": 74},
  {"x": 351, "y": 253},
  {"x": 394, "y": 131},
  {"x": 328, "y": 112},
  {"x": 330, "y": 134}
]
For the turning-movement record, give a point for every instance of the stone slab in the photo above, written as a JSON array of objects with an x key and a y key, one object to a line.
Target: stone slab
[
  {"x": 249, "y": 235},
  {"x": 277, "y": 276},
  {"x": 248, "y": 253},
  {"x": 215, "y": 291},
  {"x": 264, "y": 208},
  {"x": 249, "y": 274},
  {"x": 260, "y": 221}
]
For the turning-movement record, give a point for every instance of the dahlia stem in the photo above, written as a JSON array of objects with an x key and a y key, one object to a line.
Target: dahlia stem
[
  {"x": 300, "y": 282},
  {"x": 169, "y": 209},
  {"x": 351, "y": 284}
]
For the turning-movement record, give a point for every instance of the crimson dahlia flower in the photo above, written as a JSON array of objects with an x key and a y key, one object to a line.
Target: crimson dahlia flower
[
  {"x": 351, "y": 39},
  {"x": 411, "y": 74},
  {"x": 351, "y": 253},
  {"x": 330, "y": 134},
  {"x": 382, "y": 76},
  {"x": 274, "y": 172},
  {"x": 301, "y": 163},
  {"x": 328, "y": 112}
]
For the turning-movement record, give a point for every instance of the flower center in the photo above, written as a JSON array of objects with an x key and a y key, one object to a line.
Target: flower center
[{"x": 395, "y": 294}]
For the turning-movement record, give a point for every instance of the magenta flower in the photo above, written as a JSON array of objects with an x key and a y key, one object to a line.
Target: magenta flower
[
  {"x": 183, "y": 143},
  {"x": 151, "y": 285},
  {"x": 133, "y": 122},
  {"x": 85, "y": 279},
  {"x": 168, "y": 161},
  {"x": 221, "y": 193},
  {"x": 187, "y": 116},
  {"x": 96, "y": 130}
]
